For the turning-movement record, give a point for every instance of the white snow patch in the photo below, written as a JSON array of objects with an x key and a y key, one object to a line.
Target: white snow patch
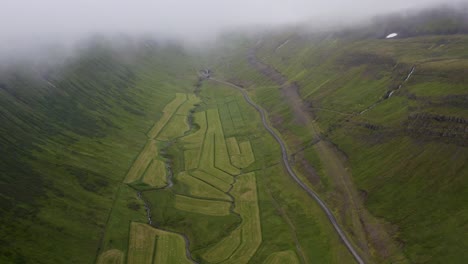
[{"x": 392, "y": 35}]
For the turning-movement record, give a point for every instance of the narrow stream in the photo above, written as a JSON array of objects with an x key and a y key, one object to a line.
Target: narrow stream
[
  {"x": 170, "y": 183},
  {"x": 147, "y": 208},
  {"x": 389, "y": 94}
]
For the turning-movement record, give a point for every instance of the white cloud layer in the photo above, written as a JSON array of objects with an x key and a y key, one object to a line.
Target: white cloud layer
[{"x": 177, "y": 17}]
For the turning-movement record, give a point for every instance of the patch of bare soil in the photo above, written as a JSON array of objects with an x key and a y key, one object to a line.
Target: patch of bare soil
[
  {"x": 310, "y": 172},
  {"x": 290, "y": 91}
]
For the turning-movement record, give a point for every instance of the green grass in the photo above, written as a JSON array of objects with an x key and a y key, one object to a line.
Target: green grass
[
  {"x": 232, "y": 146},
  {"x": 246, "y": 204},
  {"x": 112, "y": 256},
  {"x": 150, "y": 245},
  {"x": 236, "y": 236},
  {"x": 168, "y": 112},
  {"x": 282, "y": 257},
  {"x": 224, "y": 248},
  {"x": 170, "y": 249},
  {"x": 221, "y": 155},
  {"x": 176, "y": 127},
  {"x": 142, "y": 162},
  {"x": 193, "y": 143},
  {"x": 216, "y": 179},
  {"x": 141, "y": 244},
  {"x": 208, "y": 158},
  {"x": 202, "y": 206},
  {"x": 392, "y": 156},
  {"x": 68, "y": 146},
  {"x": 155, "y": 175},
  {"x": 245, "y": 157},
  {"x": 201, "y": 229},
  {"x": 191, "y": 186},
  {"x": 71, "y": 138},
  {"x": 185, "y": 108}
]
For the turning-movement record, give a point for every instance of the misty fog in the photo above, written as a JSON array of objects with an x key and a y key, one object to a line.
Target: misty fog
[{"x": 30, "y": 25}]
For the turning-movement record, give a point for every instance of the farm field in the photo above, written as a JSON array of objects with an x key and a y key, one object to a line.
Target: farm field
[
  {"x": 262, "y": 145},
  {"x": 371, "y": 121},
  {"x": 200, "y": 178},
  {"x": 151, "y": 245}
]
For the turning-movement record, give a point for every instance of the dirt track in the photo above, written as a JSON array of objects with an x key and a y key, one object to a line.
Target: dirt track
[{"x": 291, "y": 172}]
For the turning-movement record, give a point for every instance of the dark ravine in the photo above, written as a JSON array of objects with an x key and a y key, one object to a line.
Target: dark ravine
[
  {"x": 147, "y": 207},
  {"x": 291, "y": 172},
  {"x": 168, "y": 165}
]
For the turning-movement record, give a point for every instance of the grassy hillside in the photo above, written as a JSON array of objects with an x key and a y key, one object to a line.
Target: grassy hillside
[
  {"x": 338, "y": 100},
  {"x": 122, "y": 154},
  {"x": 68, "y": 136}
]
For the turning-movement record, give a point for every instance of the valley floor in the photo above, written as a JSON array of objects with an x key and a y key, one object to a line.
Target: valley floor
[{"x": 215, "y": 191}]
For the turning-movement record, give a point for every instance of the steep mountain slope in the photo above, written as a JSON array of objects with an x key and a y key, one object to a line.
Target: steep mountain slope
[
  {"x": 378, "y": 127},
  {"x": 68, "y": 135},
  {"x": 123, "y": 154}
]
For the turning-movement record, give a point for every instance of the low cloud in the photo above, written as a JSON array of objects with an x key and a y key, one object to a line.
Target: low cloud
[{"x": 26, "y": 23}]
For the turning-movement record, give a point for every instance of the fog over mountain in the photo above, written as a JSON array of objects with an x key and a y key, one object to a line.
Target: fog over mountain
[{"x": 30, "y": 23}]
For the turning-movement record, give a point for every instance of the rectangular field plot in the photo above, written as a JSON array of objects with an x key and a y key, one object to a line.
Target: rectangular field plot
[
  {"x": 233, "y": 147},
  {"x": 221, "y": 158},
  {"x": 141, "y": 243},
  {"x": 170, "y": 249},
  {"x": 217, "y": 180},
  {"x": 144, "y": 239},
  {"x": 232, "y": 119},
  {"x": 191, "y": 158},
  {"x": 228, "y": 125},
  {"x": 241, "y": 154},
  {"x": 198, "y": 188},
  {"x": 207, "y": 160},
  {"x": 236, "y": 115},
  {"x": 246, "y": 153},
  {"x": 202, "y": 206},
  {"x": 207, "y": 155},
  {"x": 142, "y": 162},
  {"x": 168, "y": 111},
  {"x": 221, "y": 155},
  {"x": 155, "y": 175}
]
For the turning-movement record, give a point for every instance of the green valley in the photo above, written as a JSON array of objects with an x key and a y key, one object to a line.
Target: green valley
[{"x": 284, "y": 146}]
